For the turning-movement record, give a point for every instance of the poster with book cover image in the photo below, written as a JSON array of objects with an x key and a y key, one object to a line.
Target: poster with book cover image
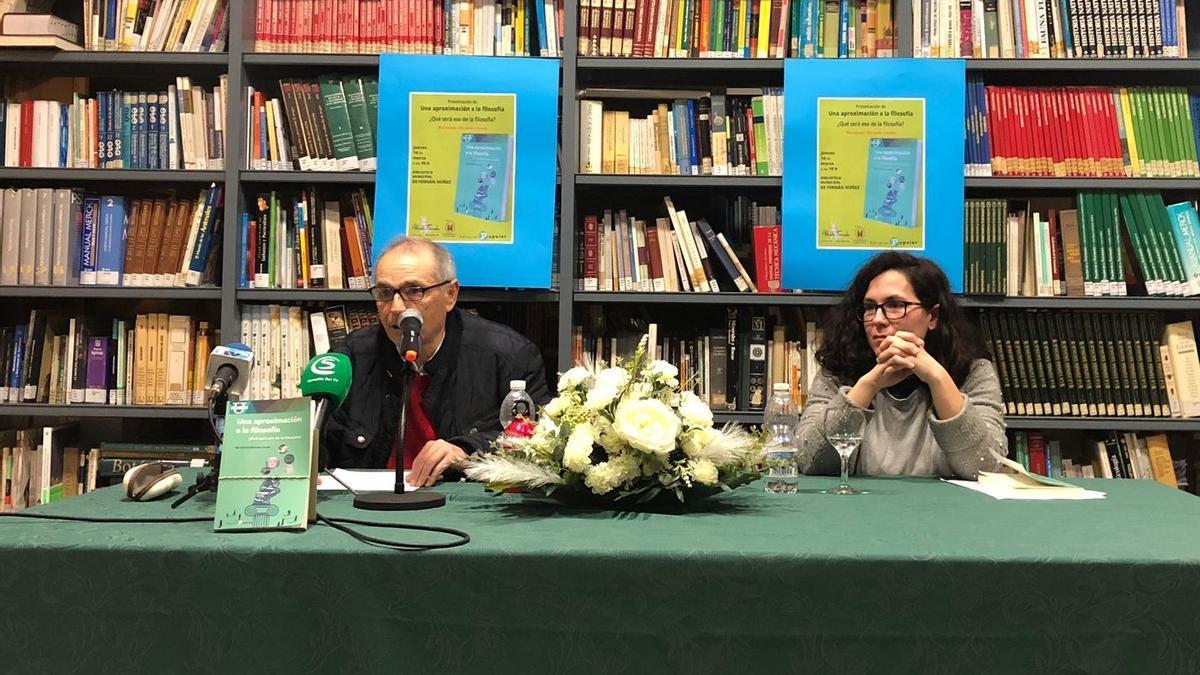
[
  {"x": 870, "y": 173},
  {"x": 266, "y": 466},
  {"x": 462, "y": 148}
]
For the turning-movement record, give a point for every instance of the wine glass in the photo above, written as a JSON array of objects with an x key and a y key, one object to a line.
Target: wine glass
[{"x": 844, "y": 431}]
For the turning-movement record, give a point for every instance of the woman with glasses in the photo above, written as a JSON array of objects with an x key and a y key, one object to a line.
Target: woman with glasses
[{"x": 898, "y": 347}]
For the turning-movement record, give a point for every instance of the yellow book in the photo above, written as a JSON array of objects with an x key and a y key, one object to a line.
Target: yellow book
[
  {"x": 621, "y": 142},
  {"x": 742, "y": 9},
  {"x": 272, "y": 147},
  {"x": 1181, "y": 343},
  {"x": 763, "y": 48},
  {"x": 1160, "y": 459},
  {"x": 608, "y": 138}
]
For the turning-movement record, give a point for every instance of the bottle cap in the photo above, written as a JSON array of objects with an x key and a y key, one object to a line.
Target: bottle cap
[
  {"x": 781, "y": 386},
  {"x": 516, "y": 385}
]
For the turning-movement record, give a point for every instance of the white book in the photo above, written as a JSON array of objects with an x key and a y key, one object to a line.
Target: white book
[
  {"x": 181, "y": 274},
  {"x": 12, "y": 135},
  {"x": 40, "y": 138},
  {"x": 332, "y": 242},
  {"x": 173, "y": 138}
]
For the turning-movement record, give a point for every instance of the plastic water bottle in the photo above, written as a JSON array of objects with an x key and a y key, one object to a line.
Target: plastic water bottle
[
  {"x": 517, "y": 411},
  {"x": 779, "y": 420}
]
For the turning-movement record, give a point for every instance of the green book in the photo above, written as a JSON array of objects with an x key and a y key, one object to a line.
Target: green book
[
  {"x": 1139, "y": 239},
  {"x": 267, "y": 466},
  {"x": 1189, "y": 139},
  {"x": 360, "y": 123},
  {"x": 371, "y": 93},
  {"x": 340, "y": 131},
  {"x": 272, "y": 238},
  {"x": 760, "y": 137}
]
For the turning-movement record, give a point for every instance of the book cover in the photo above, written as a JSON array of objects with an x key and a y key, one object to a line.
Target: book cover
[
  {"x": 893, "y": 185},
  {"x": 266, "y": 466},
  {"x": 484, "y": 185}
]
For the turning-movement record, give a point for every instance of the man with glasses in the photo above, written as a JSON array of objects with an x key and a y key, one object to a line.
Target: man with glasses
[{"x": 467, "y": 363}]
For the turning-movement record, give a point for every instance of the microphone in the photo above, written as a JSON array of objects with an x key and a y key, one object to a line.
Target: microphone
[
  {"x": 410, "y": 334},
  {"x": 229, "y": 371},
  {"x": 327, "y": 379}
]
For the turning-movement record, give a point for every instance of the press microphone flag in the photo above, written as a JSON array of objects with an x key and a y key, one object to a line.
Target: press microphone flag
[
  {"x": 327, "y": 376},
  {"x": 229, "y": 370},
  {"x": 410, "y": 334}
]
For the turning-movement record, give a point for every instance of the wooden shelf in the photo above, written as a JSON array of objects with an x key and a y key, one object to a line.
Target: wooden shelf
[
  {"x": 337, "y": 295},
  {"x": 305, "y": 177},
  {"x": 112, "y": 175},
  {"x": 86, "y": 58},
  {"x": 94, "y": 410},
  {"x": 827, "y": 299},
  {"x": 114, "y": 292}
]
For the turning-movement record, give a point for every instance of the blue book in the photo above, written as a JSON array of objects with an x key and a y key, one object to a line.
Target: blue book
[
  {"x": 125, "y": 152},
  {"x": 87, "y": 241},
  {"x": 64, "y": 136},
  {"x": 209, "y": 218},
  {"x": 1068, "y": 38},
  {"x": 484, "y": 185},
  {"x": 543, "y": 44},
  {"x": 1017, "y": 11},
  {"x": 1185, "y": 229},
  {"x": 985, "y": 142},
  {"x": 693, "y": 138},
  {"x": 18, "y": 364},
  {"x": 1167, "y": 19},
  {"x": 243, "y": 251},
  {"x": 110, "y": 244},
  {"x": 843, "y": 49},
  {"x": 152, "y": 132},
  {"x": 893, "y": 181},
  {"x": 164, "y": 133},
  {"x": 101, "y": 129}
]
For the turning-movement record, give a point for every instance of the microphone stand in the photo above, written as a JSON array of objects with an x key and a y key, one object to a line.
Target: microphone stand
[
  {"x": 207, "y": 482},
  {"x": 399, "y": 499}
]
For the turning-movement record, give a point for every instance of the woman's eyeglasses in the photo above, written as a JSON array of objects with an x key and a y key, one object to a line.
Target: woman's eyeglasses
[{"x": 893, "y": 310}]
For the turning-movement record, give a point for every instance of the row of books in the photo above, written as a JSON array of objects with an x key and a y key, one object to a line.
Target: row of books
[
  {"x": 154, "y": 359},
  {"x": 307, "y": 240},
  {"x": 1127, "y": 243},
  {"x": 481, "y": 27},
  {"x": 66, "y": 237},
  {"x": 1094, "y": 363},
  {"x": 1048, "y": 29},
  {"x": 1120, "y": 454},
  {"x": 737, "y": 28},
  {"x": 180, "y": 128},
  {"x": 671, "y": 254},
  {"x": 327, "y": 124},
  {"x": 731, "y": 365},
  {"x": 160, "y": 26},
  {"x": 42, "y": 465},
  {"x": 732, "y": 132},
  {"x": 1082, "y": 131}
]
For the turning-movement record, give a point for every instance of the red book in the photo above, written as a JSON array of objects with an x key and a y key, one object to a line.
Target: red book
[
  {"x": 439, "y": 28},
  {"x": 1071, "y": 129},
  {"x": 26, "y": 134},
  {"x": 1037, "y": 453},
  {"x": 1117, "y": 167},
  {"x": 251, "y": 249},
  {"x": 260, "y": 31},
  {"x": 995, "y": 133},
  {"x": 966, "y": 28},
  {"x": 768, "y": 251},
  {"x": 749, "y": 142}
]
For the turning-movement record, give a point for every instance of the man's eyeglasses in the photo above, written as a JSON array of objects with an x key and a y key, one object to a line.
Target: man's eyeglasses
[
  {"x": 385, "y": 294},
  {"x": 893, "y": 310}
]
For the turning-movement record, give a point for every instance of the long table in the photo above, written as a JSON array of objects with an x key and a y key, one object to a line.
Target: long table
[{"x": 917, "y": 576}]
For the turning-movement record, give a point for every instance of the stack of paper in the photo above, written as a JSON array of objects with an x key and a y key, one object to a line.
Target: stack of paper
[{"x": 1024, "y": 485}]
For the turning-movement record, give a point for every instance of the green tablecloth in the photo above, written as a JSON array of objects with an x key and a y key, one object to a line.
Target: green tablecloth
[{"x": 918, "y": 576}]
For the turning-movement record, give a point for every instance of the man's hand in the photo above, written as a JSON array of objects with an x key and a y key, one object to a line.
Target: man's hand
[{"x": 432, "y": 461}]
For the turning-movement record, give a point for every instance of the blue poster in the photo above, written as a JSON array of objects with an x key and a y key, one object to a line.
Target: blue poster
[
  {"x": 467, "y": 158},
  {"x": 872, "y": 160}
]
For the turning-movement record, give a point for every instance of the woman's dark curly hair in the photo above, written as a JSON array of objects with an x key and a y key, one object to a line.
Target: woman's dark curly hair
[{"x": 845, "y": 351}]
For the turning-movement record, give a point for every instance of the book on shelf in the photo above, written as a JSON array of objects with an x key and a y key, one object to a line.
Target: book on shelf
[
  {"x": 314, "y": 125},
  {"x": 180, "y": 128},
  {"x": 67, "y": 237},
  {"x": 307, "y": 239},
  {"x": 1117, "y": 454},
  {"x": 729, "y": 29},
  {"x": 728, "y": 132},
  {"x": 730, "y": 363},
  {"x": 1087, "y": 364},
  {"x": 481, "y": 28},
  {"x": 1061, "y": 30},
  {"x": 1118, "y": 243},
  {"x": 672, "y": 252},
  {"x": 1100, "y": 131},
  {"x": 153, "y": 359},
  {"x": 28, "y": 29},
  {"x": 162, "y": 26}
]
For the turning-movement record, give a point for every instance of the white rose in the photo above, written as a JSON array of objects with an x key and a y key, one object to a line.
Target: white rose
[
  {"x": 694, "y": 411},
  {"x": 577, "y": 456},
  {"x": 600, "y": 396},
  {"x": 704, "y": 471},
  {"x": 573, "y": 378},
  {"x": 661, "y": 372},
  {"x": 648, "y": 425},
  {"x": 695, "y": 440},
  {"x": 602, "y": 478},
  {"x": 615, "y": 377},
  {"x": 556, "y": 407}
]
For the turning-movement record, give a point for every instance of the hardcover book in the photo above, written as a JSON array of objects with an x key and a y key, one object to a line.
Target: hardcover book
[
  {"x": 484, "y": 185},
  {"x": 893, "y": 181}
]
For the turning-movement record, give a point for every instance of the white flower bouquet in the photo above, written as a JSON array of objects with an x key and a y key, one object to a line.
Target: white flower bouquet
[{"x": 623, "y": 434}]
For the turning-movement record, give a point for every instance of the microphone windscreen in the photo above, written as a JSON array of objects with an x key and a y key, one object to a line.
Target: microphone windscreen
[{"x": 327, "y": 375}]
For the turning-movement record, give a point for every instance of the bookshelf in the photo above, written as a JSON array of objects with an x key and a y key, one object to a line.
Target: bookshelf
[{"x": 245, "y": 67}]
